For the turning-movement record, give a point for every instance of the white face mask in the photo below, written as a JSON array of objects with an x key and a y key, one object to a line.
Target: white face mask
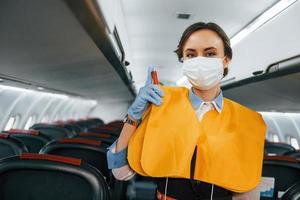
[{"x": 203, "y": 73}]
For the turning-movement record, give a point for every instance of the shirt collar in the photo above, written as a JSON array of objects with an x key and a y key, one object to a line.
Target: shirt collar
[{"x": 197, "y": 101}]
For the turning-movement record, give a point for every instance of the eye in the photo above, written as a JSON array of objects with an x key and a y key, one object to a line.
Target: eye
[
  {"x": 189, "y": 55},
  {"x": 210, "y": 54}
]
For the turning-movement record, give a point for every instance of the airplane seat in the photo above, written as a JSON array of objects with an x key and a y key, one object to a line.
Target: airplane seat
[
  {"x": 96, "y": 121},
  {"x": 75, "y": 129},
  {"x": 83, "y": 125},
  {"x": 116, "y": 124},
  {"x": 104, "y": 137},
  {"x": 273, "y": 148},
  {"x": 106, "y": 129},
  {"x": 295, "y": 154},
  {"x": 48, "y": 177},
  {"x": 284, "y": 169},
  {"x": 293, "y": 193},
  {"x": 32, "y": 139},
  {"x": 10, "y": 146},
  {"x": 91, "y": 151},
  {"x": 52, "y": 131}
]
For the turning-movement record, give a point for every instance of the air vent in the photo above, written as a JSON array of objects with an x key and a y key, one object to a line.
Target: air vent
[{"x": 183, "y": 16}]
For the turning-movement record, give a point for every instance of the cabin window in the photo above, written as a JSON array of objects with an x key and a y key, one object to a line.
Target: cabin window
[
  {"x": 275, "y": 138},
  {"x": 294, "y": 142},
  {"x": 45, "y": 119},
  {"x": 55, "y": 118},
  {"x": 30, "y": 122},
  {"x": 12, "y": 123}
]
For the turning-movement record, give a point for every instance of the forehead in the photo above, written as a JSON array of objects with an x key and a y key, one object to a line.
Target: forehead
[{"x": 202, "y": 39}]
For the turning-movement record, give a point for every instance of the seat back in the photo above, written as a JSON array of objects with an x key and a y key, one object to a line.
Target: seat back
[
  {"x": 95, "y": 122},
  {"x": 34, "y": 176},
  {"x": 295, "y": 154},
  {"x": 284, "y": 169},
  {"x": 75, "y": 129},
  {"x": 90, "y": 151},
  {"x": 106, "y": 129},
  {"x": 272, "y": 148},
  {"x": 293, "y": 193},
  {"x": 104, "y": 137},
  {"x": 117, "y": 124},
  {"x": 10, "y": 146},
  {"x": 89, "y": 123},
  {"x": 52, "y": 131},
  {"x": 32, "y": 139}
]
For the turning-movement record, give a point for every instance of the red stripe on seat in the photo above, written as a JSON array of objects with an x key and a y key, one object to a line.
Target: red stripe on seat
[
  {"x": 55, "y": 158},
  {"x": 106, "y": 128},
  {"x": 80, "y": 141},
  {"x": 100, "y": 135},
  {"x": 4, "y": 135},
  {"x": 281, "y": 158},
  {"x": 20, "y": 131}
]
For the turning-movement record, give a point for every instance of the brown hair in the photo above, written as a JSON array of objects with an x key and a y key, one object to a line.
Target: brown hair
[{"x": 199, "y": 26}]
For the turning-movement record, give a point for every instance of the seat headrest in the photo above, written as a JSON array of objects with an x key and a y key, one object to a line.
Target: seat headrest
[
  {"x": 55, "y": 158},
  {"x": 100, "y": 135},
  {"x": 281, "y": 158},
  {"x": 20, "y": 131},
  {"x": 4, "y": 135},
  {"x": 80, "y": 141}
]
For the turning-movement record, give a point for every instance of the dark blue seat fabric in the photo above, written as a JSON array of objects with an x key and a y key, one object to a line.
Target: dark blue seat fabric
[
  {"x": 284, "y": 169},
  {"x": 34, "y": 177},
  {"x": 52, "y": 131},
  {"x": 91, "y": 151},
  {"x": 32, "y": 139},
  {"x": 10, "y": 146},
  {"x": 75, "y": 129},
  {"x": 295, "y": 154},
  {"x": 293, "y": 193},
  {"x": 34, "y": 143},
  {"x": 272, "y": 148},
  {"x": 105, "y": 138}
]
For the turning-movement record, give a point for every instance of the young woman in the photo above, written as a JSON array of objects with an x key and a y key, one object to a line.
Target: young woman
[{"x": 205, "y": 51}]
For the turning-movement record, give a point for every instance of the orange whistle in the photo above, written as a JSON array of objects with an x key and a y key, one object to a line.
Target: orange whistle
[{"x": 154, "y": 77}]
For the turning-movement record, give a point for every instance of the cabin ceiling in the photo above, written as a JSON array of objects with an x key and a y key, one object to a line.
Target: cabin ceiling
[
  {"x": 154, "y": 30},
  {"x": 43, "y": 42}
]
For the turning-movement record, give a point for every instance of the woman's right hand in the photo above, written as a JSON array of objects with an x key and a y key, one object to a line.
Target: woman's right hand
[{"x": 150, "y": 93}]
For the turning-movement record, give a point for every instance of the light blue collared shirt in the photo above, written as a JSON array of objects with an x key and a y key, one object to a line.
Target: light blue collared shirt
[
  {"x": 197, "y": 101},
  {"x": 117, "y": 160}
]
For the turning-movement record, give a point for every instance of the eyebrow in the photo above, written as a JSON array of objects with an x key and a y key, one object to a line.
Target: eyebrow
[
  {"x": 210, "y": 48},
  {"x": 206, "y": 49},
  {"x": 190, "y": 50}
]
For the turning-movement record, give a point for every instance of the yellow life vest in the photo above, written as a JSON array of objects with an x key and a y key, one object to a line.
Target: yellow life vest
[{"x": 230, "y": 144}]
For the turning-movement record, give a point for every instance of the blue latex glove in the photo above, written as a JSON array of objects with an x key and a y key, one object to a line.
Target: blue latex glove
[{"x": 150, "y": 93}]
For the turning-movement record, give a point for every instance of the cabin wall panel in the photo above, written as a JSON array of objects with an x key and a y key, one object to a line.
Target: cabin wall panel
[
  {"x": 26, "y": 103},
  {"x": 9, "y": 98},
  {"x": 110, "y": 112}
]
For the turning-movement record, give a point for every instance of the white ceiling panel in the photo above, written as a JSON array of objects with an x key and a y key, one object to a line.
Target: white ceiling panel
[{"x": 154, "y": 30}]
